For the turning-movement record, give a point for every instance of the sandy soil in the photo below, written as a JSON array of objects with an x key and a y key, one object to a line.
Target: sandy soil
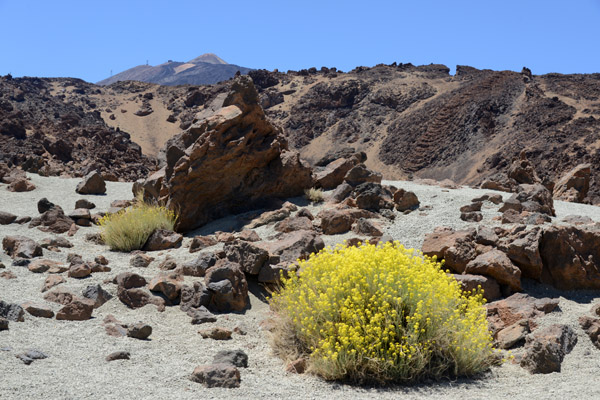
[{"x": 159, "y": 368}]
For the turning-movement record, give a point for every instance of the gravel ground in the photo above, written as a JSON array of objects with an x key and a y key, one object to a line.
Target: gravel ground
[{"x": 159, "y": 368}]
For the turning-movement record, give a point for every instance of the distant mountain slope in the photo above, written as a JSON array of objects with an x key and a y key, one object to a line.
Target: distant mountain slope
[{"x": 203, "y": 70}]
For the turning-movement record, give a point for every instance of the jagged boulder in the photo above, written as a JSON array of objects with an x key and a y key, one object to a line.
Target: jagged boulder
[
  {"x": 228, "y": 161},
  {"x": 574, "y": 185}
]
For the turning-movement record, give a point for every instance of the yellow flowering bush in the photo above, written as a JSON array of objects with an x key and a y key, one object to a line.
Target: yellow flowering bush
[
  {"x": 380, "y": 313},
  {"x": 129, "y": 229}
]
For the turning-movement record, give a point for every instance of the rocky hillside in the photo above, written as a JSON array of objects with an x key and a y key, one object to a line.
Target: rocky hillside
[
  {"x": 205, "y": 69},
  {"x": 45, "y": 130},
  {"x": 411, "y": 121}
]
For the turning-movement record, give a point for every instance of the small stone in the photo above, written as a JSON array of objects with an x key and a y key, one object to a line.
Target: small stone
[
  {"x": 7, "y": 218},
  {"x": 91, "y": 184},
  {"x": 217, "y": 375},
  {"x": 3, "y": 324},
  {"x": 60, "y": 296},
  {"x": 202, "y": 242},
  {"x": 216, "y": 333},
  {"x": 76, "y": 310},
  {"x": 51, "y": 281},
  {"x": 98, "y": 295},
  {"x": 37, "y": 310},
  {"x": 118, "y": 355},
  {"x": 101, "y": 260},
  {"x": 139, "y": 331},
  {"x": 84, "y": 203},
  {"x": 168, "y": 264},
  {"x": 201, "y": 315},
  {"x": 140, "y": 261},
  {"x": 12, "y": 312},
  {"x": 30, "y": 356},
  {"x": 249, "y": 235},
  {"x": 44, "y": 205},
  {"x": 80, "y": 271},
  {"x": 237, "y": 358},
  {"x": 163, "y": 239}
]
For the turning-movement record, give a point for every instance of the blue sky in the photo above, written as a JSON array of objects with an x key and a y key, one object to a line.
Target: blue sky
[{"x": 88, "y": 39}]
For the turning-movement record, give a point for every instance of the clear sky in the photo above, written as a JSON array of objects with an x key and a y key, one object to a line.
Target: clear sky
[{"x": 87, "y": 39}]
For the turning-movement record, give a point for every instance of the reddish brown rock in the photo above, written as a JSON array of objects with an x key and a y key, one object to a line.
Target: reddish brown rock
[
  {"x": 202, "y": 242},
  {"x": 405, "y": 200},
  {"x": 128, "y": 280},
  {"x": 491, "y": 289},
  {"x": 497, "y": 265},
  {"x": 335, "y": 221},
  {"x": 227, "y": 284},
  {"x": 506, "y": 312},
  {"x": 168, "y": 284},
  {"x": 456, "y": 248},
  {"x": 249, "y": 235},
  {"x": 76, "y": 310},
  {"x": 546, "y": 349},
  {"x": 571, "y": 257},
  {"x": 574, "y": 185},
  {"x": 92, "y": 183},
  {"x": 591, "y": 326},
  {"x": 163, "y": 239},
  {"x": 333, "y": 173},
  {"x": 80, "y": 271},
  {"x": 249, "y": 256},
  {"x": 522, "y": 247},
  {"x": 54, "y": 220},
  {"x": 294, "y": 224},
  {"x": 269, "y": 217},
  {"x": 51, "y": 281},
  {"x": 216, "y": 333},
  {"x": 21, "y": 247},
  {"x": 37, "y": 310},
  {"x": 367, "y": 227},
  {"x": 7, "y": 218},
  {"x": 140, "y": 260},
  {"x": 21, "y": 185},
  {"x": 361, "y": 174},
  {"x": 42, "y": 265},
  {"x": 217, "y": 375},
  {"x": 224, "y": 237},
  {"x": 234, "y": 153},
  {"x": 198, "y": 266},
  {"x": 60, "y": 296},
  {"x": 272, "y": 273},
  {"x": 513, "y": 335},
  {"x": 292, "y": 246}
]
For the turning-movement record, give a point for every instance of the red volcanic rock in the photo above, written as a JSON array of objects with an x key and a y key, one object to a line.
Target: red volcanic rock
[{"x": 229, "y": 161}]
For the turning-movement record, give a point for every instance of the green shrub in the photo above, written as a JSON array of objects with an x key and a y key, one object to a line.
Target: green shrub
[
  {"x": 314, "y": 195},
  {"x": 379, "y": 314},
  {"x": 129, "y": 229}
]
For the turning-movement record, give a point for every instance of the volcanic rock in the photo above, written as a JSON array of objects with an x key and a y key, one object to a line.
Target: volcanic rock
[
  {"x": 574, "y": 185},
  {"x": 202, "y": 242},
  {"x": 97, "y": 294},
  {"x": 76, "y": 310},
  {"x": 11, "y": 312},
  {"x": 546, "y": 349},
  {"x": 233, "y": 154},
  {"x": 7, "y": 218},
  {"x": 497, "y": 265},
  {"x": 217, "y": 375},
  {"x": 92, "y": 183},
  {"x": 163, "y": 239},
  {"x": 37, "y": 310},
  {"x": 198, "y": 266},
  {"x": 54, "y": 220},
  {"x": 571, "y": 257},
  {"x": 21, "y": 247},
  {"x": 227, "y": 284}
]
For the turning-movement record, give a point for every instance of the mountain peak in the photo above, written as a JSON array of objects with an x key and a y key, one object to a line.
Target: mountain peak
[{"x": 209, "y": 58}]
